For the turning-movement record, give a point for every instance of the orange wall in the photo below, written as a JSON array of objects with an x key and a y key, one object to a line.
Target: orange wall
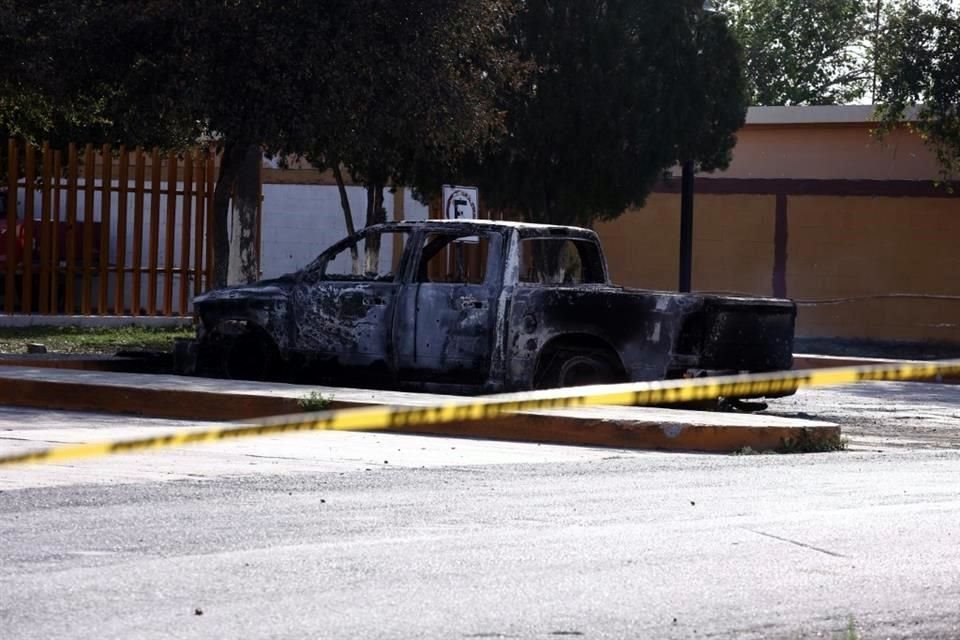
[
  {"x": 837, "y": 247},
  {"x": 733, "y": 247},
  {"x": 829, "y": 152},
  {"x": 850, "y": 247},
  {"x": 733, "y": 244},
  {"x": 642, "y": 245}
]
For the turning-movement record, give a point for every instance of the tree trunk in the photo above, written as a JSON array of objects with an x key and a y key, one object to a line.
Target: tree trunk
[
  {"x": 221, "y": 213},
  {"x": 247, "y": 204},
  {"x": 347, "y": 214},
  {"x": 239, "y": 177},
  {"x": 376, "y": 214}
]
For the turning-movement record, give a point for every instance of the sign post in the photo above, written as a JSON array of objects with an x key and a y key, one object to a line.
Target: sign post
[{"x": 461, "y": 203}]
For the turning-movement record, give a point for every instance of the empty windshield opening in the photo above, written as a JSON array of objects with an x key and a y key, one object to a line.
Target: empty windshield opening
[{"x": 374, "y": 256}]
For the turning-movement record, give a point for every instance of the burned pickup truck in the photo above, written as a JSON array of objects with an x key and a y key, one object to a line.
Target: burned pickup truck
[{"x": 479, "y": 306}]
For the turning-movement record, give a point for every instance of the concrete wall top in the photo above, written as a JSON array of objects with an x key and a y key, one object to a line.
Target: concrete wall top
[
  {"x": 833, "y": 114},
  {"x": 809, "y": 115}
]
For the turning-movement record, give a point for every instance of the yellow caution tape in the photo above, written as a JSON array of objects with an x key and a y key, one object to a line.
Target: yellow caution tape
[{"x": 485, "y": 408}]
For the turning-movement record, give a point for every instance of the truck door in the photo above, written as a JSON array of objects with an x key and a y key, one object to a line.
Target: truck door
[
  {"x": 446, "y": 316},
  {"x": 343, "y": 307}
]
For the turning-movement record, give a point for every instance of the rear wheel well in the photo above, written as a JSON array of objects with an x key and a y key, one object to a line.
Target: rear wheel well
[{"x": 557, "y": 355}]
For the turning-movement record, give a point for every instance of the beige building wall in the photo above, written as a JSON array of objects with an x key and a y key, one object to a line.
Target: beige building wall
[
  {"x": 733, "y": 244},
  {"x": 830, "y": 152},
  {"x": 642, "y": 245},
  {"x": 826, "y": 143},
  {"x": 866, "y": 243},
  {"x": 854, "y": 248}
]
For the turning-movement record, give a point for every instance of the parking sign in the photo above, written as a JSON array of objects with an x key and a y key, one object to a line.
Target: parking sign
[{"x": 460, "y": 203}]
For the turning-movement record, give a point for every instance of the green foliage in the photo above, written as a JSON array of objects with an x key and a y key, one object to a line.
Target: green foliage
[
  {"x": 415, "y": 87},
  {"x": 918, "y": 64},
  {"x": 804, "y": 51},
  {"x": 378, "y": 85},
  {"x": 850, "y": 633},
  {"x": 810, "y": 442},
  {"x": 362, "y": 79},
  {"x": 715, "y": 108},
  {"x": 92, "y": 71},
  {"x": 314, "y": 401},
  {"x": 619, "y": 92},
  {"x": 806, "y": 443},
  {"x": 416, "y": 82},
  {"x": 568, "y": 110}
]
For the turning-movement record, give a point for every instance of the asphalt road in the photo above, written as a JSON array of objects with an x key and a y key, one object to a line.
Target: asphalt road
[
  {"x": 886, "y": 414},
  {"x": 379, "y": 536}
]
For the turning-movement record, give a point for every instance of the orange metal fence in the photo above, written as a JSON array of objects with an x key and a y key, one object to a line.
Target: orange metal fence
[{"x": 103, "y": 231}]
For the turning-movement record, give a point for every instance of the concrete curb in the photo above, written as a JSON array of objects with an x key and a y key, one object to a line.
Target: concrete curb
[
  {"x": 619, "y": 427},
  {"x": 648, "y": 430},
  {"x": 154, "y": 403},
  {"x": 112, "y": 364}
]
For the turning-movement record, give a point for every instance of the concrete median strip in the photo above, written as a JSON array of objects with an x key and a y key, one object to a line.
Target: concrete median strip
[
  {"x": 651, "y": 429},
  {"x": 646, "y": 428}
]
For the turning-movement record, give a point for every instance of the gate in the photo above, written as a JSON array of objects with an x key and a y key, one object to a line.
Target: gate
[{"x": 99, "y": 231}]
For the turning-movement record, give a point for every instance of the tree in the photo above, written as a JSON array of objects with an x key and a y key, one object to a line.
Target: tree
[
  {"x": 420, "y": 81},
  {"x": 259, "y": 70},
  {"x": 621, "y": 91},
  {"x": 103, "y": 71},
  {"x": 91, "y": 70},
  {"x": 804, "y": 51},
  {"x": 714, "y": 108},
  {"x": 918, "y": 67},
  {"x": 374, "y": 84}
]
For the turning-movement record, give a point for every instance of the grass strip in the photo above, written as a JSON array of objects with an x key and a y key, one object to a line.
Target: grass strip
[{"x": 83, "y": 340}]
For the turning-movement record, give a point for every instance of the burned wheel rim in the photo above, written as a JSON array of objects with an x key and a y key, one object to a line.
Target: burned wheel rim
[{"x": 577, "y": 369}]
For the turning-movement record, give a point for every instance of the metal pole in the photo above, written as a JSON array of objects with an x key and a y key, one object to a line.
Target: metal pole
[
  {"x": 876, "y": 43},
  {"x": 686, "y": 227},
  {"x": 686, "y": 193}
]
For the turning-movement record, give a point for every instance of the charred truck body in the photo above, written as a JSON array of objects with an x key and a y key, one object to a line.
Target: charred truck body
[{"x": 480, "y": 306}]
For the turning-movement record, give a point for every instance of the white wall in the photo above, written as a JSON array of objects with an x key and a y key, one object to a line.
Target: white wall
[{"x": 300, "y": 221}]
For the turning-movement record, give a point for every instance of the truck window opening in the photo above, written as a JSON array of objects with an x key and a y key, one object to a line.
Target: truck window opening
[{"x": 559, "y": 261}]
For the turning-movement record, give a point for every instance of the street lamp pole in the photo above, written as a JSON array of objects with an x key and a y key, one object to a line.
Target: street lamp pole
[
  {"x": 686, "y": 226},
  {"x": 686, "y": 209}
]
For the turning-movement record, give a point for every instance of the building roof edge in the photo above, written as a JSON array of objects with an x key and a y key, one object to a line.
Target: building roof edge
[{"x": 834, "y": 114}]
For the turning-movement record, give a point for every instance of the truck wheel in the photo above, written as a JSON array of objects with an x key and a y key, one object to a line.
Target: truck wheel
[
  {"x": 251, "y": 357},
  {"x": 577, "y": 369}
]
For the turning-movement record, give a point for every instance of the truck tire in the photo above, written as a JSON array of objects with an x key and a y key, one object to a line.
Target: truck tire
[
  {"x": 251, "y": 357},
  {"x": 576, "y": 369}
]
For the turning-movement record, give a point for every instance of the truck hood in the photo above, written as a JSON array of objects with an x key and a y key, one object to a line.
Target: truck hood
[{"x": 275, "y": 289}]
